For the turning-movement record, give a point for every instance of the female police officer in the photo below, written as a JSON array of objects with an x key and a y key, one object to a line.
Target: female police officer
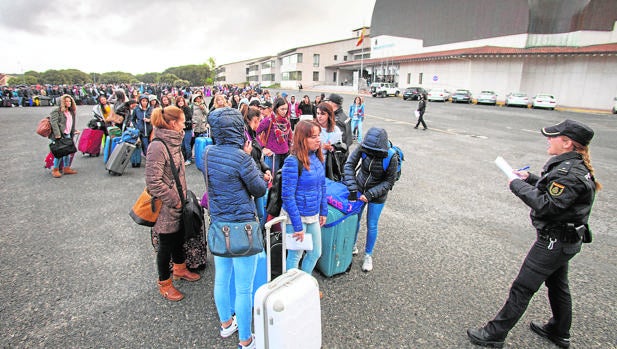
[{"x": 560, "y": 201}]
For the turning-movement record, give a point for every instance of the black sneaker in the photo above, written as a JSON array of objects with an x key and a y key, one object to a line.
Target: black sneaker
[{"x": 543, "y": 331}]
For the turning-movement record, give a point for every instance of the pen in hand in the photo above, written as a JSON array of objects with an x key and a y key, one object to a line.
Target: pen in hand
[{"x": 523, "y": 168}]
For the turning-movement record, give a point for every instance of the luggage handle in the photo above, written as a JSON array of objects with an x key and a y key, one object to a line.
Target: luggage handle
[{"x": 268, "y": 226}]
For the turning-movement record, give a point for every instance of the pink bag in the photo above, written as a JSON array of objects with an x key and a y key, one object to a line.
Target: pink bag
[{"x": 49, "y": 161}]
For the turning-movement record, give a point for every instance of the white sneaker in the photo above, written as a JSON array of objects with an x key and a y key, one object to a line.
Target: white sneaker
[
  {"x": 187, "y": 162},
  {"x": 231, "y": 329},
  {"x": 354, "y": 252},
  {"x": 251, "y": 345},
  {"x": 368, "y": 263}
]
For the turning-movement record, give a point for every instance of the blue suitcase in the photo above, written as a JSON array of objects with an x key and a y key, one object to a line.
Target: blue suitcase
[
  {"x": 110, "y": 145},
  {"x": 338, "y": 236},
  {"x": 136, "y": 157},
  {"x": 200, "y": 147}
]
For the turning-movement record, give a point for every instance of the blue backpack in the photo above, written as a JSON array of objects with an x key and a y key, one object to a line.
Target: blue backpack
[{"x": 386, "y": 161}]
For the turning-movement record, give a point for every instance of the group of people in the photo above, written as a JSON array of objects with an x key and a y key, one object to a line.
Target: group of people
[{"x": 254, "y": 140}]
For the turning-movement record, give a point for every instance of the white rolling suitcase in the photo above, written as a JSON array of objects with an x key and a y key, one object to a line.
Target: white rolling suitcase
[{"x": 287, "y": 310}]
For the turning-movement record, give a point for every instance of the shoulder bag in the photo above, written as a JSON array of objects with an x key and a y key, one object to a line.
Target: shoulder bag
[
  {"x": 192, "y": 212},
  {"x": 44, "y": 127},
  {"x": 263, "y": 136},
  {"x": 146, "y": 209},
  {"x": 62, "y": 147},
  {"x": 233, "y": 239}
]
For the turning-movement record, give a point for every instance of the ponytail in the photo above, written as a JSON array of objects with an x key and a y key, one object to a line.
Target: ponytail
[{"x": 584, "y": 151}]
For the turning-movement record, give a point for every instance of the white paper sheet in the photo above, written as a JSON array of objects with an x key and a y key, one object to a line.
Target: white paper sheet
[
  {"x": 505, "y": 167},
  {"x": 293, "y": 244}
]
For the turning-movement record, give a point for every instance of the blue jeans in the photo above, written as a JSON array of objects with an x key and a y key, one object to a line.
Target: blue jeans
[
  {"x": 373, "y": 212},
  {"x": 144, "y": 144},
  {"x": 358, "y": 124},
  {"x": 310, "y": 260},
  {"x": 244, "y": 274},
  {"x": 66, "y": 160},
  {"x": 279, "y": 159},
  {"x": 187, "y": 150}
]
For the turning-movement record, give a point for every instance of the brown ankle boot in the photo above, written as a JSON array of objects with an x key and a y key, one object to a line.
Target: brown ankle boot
[
  {"x": 56, "y": 173},
  {"x": 181, "y": 272},
  {"x": 168, "y": 291},
  {"x": 69, "y": 171}
]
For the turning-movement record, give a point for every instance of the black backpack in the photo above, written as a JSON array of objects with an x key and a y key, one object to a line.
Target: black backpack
[{"x": 275, "y": 202}]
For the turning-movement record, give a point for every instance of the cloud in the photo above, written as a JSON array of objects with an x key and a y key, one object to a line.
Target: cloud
[{"x": 139, "y": 36}]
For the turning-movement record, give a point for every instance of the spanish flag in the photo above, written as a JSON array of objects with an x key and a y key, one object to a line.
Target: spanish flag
[{"x": 361, "y": 38}]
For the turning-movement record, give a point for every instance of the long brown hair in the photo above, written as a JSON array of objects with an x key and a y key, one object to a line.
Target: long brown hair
[
  {"x": 304, "y": 130},
  {"x": 325, "y": 107},
  {"x": 584, "y": 151},
  {"x": 63, "y": 108}
]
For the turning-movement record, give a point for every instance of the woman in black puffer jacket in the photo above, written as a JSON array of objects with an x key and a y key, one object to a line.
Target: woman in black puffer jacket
[{"x": 372, "y": 181}]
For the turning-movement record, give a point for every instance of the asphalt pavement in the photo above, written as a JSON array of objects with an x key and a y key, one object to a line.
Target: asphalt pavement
[{"x": 78, "y": 273}]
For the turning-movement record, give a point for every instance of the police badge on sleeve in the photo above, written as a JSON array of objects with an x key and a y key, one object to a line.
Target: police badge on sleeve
[{"x": 556, "y": 189}]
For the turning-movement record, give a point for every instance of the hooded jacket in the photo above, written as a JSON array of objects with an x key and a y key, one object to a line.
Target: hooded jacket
[
  {"x": 233, "y": 177},
  {"x": 371, "y": 179},
  {"x": 160, "y": 180},
  {"x": 145, "y": 128},
  {"x": 58, "y": 119}
]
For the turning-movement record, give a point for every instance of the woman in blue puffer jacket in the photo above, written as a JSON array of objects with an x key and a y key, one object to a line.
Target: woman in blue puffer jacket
[
  {"x": 304, "y": 193},
  {"x": 233, "y": 180}
]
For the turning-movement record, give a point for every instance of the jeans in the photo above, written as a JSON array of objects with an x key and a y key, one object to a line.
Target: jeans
[
  {"x": 187, "y": 150},
  {"x": 244, "y": 273},
  {"x": 278, "y": 162},
  {"x": 145, "y": 141},
  {"x": 357, "y": 124},
  {"x": 373, "y": 212},
  {"x": 540, "y": 266},
  {"x": 310, "y": 260},
  {"x": 66, "y": 160}
]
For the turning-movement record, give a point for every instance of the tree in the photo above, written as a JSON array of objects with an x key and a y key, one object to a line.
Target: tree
[
  {"x": 167, "y": 78},
  {"x": 148, "y": 78}
]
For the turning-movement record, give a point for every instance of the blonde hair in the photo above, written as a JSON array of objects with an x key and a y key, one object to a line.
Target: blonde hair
[
  {"x": 63, "y": 108},
  {"x": 584, "y": 151},
  {"x": 162, "y": 117}
]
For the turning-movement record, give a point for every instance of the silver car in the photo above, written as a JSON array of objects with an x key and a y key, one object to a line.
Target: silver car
[
  {"x": 518, "y": 99},
  {"x": 487, "y": 97}
]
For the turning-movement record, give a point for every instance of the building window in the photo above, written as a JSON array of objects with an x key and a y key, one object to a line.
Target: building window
[
  {"x": 316, "y": 60},
  {"x": 291, "y": 75},
  {"x": 408, "y": 78},
  {"x": 345, "y": 58},
  {"x": 335, "y": 57},
  {"x": 267, "y": 77},
  {"x": 334, "y": 77},
  {"x": 315, "y": 76},
  {"x": 420, "y": 78},
  {"x": 299, "y": 58}
]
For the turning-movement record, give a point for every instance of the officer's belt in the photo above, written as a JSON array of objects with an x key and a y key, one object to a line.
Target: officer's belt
[{"x": 566, "y": 232}]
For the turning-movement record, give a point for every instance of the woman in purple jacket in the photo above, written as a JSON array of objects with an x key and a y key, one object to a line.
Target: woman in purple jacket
[
  {"x": 304, "y": 193},
  {"x": 278, "y": 135}
]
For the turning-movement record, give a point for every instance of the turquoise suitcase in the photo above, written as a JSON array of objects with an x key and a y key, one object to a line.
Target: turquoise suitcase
[{"x": 337, "y": 239}]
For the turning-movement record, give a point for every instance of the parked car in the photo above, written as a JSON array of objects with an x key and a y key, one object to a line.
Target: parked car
[
  {"x": 614, "y": 105},
  {"x": 461, "y": 96},
  {"x": 518, "y": 99},
  {"x": 487, "y": 97},
  {"x": 384, "y": 89},
  {"x": 413, "y": 93},
  {"x": 438, "y": 94},
  {"x": 544, "y": 100}
]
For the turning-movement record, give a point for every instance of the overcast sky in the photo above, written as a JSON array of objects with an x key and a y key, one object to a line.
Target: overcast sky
[{"x": 139, "y": 36}]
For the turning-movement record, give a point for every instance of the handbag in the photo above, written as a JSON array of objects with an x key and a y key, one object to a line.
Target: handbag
[
  {"x": 192, "y": 212},
  {"x": 146, "y": 209},
  {"x": 62, "y": 147},
  {"x": 233, "y": 239},
  {"x": 333, "y": 167},
  {"x": 263, "y": 136},
  {"x": 44, "y": 127}
]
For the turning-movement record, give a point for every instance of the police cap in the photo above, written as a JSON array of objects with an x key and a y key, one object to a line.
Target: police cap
[{"x": 575, "y": 130}]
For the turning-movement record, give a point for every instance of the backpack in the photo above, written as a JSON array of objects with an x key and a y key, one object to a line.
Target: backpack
[
  {"x": 275, "y": 202},
  {"x": 393, "y": 149}
]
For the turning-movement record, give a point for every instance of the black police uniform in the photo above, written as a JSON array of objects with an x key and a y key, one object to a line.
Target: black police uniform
[{"x": 560, "y": 202}]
